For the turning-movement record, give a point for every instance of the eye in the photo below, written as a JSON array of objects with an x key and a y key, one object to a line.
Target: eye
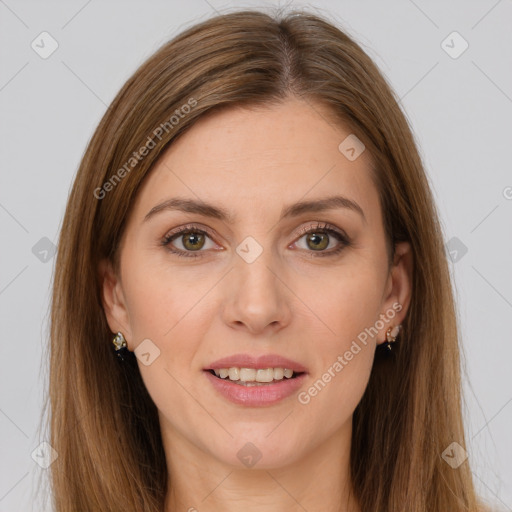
[
  {"x": 193, "y": 239},
  {"x": 319, "y": 237}
]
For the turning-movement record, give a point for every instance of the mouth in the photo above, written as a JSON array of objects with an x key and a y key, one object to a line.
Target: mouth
[
  {"x": 251, "y": 377},
  {"x": 238, "y": 389},
  {"x": 255, "y": 380}
]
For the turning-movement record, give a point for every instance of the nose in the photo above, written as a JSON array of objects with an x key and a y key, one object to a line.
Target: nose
[{"x": 257, "y": 296}]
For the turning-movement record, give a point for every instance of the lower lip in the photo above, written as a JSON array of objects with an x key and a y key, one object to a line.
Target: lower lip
[{"x": 256, "y": 396}]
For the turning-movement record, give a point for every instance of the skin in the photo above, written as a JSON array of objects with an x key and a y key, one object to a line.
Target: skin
[{"x": 288, "y": 301}]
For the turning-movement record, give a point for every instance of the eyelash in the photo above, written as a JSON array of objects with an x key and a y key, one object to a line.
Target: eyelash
[{"x": 319, "y": 228}]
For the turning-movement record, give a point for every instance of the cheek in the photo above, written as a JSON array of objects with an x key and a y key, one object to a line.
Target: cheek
[
  {"x": 344, "y": 343},
  {"x": 158, "y": 299},
  {"x": 173, "y": 310},
  {"x": 347, "y": 303}
]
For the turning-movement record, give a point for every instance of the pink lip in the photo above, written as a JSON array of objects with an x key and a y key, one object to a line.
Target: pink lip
[
  {"x": 256, "y": 396},
  {"x": 264, "y": 361}
]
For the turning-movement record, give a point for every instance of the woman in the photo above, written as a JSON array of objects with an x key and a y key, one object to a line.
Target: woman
[{"x": 252, "y": 232}]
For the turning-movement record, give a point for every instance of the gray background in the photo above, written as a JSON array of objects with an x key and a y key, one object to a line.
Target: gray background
[{"x": 460, "y": 110}]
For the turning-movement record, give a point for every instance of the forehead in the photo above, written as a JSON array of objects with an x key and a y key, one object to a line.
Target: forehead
[{"x": 261, "y": 158}]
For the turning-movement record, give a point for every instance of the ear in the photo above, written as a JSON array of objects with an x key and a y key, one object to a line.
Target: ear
[
  {"x": 114, "y": 303},
  {"x": 398, "y": 289}
]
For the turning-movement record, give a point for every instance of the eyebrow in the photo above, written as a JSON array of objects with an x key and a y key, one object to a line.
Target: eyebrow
[{"x": 294, "y": 210}]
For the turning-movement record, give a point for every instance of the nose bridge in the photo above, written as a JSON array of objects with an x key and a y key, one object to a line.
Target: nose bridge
[
  {"x": 257, "y": 296},
  {"x": 258, "y": 274},
  {"x": 254, "y": 268}
]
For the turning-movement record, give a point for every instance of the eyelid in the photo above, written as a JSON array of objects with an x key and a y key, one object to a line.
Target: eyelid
[
  {"x": 323, "y": 226},
  {"x": 189, "y": 227},
  {"x": 199, "y": 227}
]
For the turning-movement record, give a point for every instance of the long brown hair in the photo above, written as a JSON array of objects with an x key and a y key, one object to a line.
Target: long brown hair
[{"x": 103, "y": 423}]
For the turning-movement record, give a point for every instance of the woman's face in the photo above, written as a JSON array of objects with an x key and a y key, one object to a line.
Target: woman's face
[{"x": 246, "y": 281}]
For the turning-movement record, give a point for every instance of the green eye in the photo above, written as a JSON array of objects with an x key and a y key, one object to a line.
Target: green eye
[
  {"x": 193, "y": 240},
  {"x": 319, "y": 237},
  {"x": 318, "y": 242}
]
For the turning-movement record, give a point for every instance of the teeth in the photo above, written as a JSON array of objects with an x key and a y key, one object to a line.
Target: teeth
[
  {"x": 234, "y": 374},
  {"x": 254, "y": 375},
  {"x": 278, "y": 373},
  {"x": 264, "y": 375},
  {"x": 248, "y": 374}
]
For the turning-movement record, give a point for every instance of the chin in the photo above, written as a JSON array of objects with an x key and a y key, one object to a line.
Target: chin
[{"x": 258, "y": 450}]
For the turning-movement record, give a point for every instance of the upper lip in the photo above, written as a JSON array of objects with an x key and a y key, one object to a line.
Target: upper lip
[{"x": 263, "y": 361}]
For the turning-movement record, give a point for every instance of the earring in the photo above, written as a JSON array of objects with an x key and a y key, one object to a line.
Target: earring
[
  {"x": 391, "y": 335},
  {"x": 120, "y": 346}
]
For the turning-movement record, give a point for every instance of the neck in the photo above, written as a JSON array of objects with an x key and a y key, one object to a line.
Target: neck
[{"x": 318, "y": 481}]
